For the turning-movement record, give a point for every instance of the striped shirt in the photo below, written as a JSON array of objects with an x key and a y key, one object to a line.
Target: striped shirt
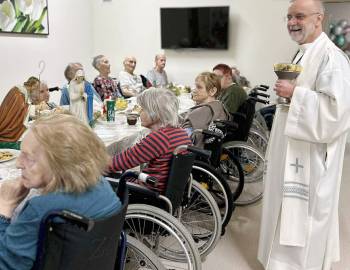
[{"x": 156, "y": 150}]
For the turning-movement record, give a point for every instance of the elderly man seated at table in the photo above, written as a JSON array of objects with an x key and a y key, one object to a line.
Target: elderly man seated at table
[
  {"x": 130, "y": 83},
  {"x": 18, "y": 106},
  {"x": 157, "y": 75},
  {"x": 159, "y": 114},
  {"x": 105, "y": 85},
  {"x": 69, "y": 73},
  {"x": 64, "y": 161},
  {"x": 208, "y": 108}
]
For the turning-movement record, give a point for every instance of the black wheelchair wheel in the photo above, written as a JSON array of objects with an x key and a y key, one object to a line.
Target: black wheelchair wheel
[
  {"x": 230, "y": 168},
  {"x": 217, "y": 186}
]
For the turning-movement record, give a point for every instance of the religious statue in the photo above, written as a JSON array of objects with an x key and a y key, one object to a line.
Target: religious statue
[{"x": 80, "y": 100}]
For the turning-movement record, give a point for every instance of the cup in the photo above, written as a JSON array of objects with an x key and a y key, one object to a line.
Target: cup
[
  {"x": 110, "y": 111},
  {"x": 286, "y": 71},
  {"x": 131, "y": 118}
]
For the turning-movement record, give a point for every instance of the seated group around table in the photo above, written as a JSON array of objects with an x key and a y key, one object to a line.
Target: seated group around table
[{"x": 64, "y": 160}]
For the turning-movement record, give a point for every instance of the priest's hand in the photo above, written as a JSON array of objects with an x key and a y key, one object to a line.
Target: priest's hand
[
  {"x": 12, "y": 192},
  {"x": 284, "y": 88}
]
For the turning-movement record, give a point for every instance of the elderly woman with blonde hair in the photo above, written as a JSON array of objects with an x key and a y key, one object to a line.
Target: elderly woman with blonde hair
[
  {"x": 64, "y": 160},
  {"x": 160, "y": 114},
  {"x": 208, "y": 108}
]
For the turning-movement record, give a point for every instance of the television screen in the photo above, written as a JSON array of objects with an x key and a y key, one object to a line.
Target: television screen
[{"x": 199, "y": 27}]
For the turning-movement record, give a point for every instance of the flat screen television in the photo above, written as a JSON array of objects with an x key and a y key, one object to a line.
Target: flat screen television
[{"x": 194, "y": 27}]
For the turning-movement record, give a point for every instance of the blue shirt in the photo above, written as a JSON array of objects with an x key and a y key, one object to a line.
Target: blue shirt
[{"x": 18, "y": 240}]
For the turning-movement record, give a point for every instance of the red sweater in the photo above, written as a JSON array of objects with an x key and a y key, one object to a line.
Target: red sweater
[{"x": 156, "y": 150}]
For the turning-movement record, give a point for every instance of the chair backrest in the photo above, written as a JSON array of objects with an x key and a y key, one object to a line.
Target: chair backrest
[
  {"x": 179, "y": 174},
  {"x": 247, "y": 110},
  {"x": 145, "y": 82},
  {"x": 69, "y": 241}
]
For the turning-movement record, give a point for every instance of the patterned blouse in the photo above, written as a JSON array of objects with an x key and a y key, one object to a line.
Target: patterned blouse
[{"x": 106, "y": 87}]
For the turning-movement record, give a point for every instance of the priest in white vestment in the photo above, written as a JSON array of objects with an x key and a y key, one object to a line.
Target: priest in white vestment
[{"x": 299, "y": 228}]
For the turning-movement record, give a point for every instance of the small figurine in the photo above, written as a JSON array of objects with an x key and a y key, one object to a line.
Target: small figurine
[{"x": 80, "y": 101}]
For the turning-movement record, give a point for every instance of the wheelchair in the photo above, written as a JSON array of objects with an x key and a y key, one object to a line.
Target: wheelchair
[
  {"x": 209, "y": 172},
  {"x": 187, "y": 203},
  {"x": 231, "y": 144},
  {"x": 248, "y": 153},
  {"x": 70, "y": 241}
]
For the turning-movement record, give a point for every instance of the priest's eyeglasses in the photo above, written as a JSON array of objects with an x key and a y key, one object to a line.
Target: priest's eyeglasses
[{"x": 300, "y": 16}]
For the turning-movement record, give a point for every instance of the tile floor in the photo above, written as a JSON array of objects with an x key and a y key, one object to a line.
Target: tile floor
[{"x": 238, "y": 248}]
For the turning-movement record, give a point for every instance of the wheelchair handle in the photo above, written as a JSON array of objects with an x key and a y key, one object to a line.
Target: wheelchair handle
[
  {"x": 147, "y": 178},
  {"x": 199, "y": 151},
  {"x": 56, "y": 88},
  {"x": 260, "y": 94},
  {"x": 261, "y": 87},
  {"x": 259, "y": 100},
  {"x": 140, "y": 176}
]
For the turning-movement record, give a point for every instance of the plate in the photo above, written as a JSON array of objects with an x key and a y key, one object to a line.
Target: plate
[{"x": 8, "y": 154}]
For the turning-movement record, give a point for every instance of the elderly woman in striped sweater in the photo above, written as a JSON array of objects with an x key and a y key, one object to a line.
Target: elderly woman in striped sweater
[{"x": 159, "y": 114}]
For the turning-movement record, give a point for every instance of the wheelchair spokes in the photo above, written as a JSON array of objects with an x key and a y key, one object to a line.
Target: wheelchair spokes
[{"x": 164, "y": 235}]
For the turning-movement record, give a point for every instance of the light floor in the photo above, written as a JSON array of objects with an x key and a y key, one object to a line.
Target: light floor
[{"x": 237, "y": 250}]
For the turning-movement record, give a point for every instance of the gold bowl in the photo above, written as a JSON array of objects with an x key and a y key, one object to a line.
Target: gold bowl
[{"x": 287, "y": 71}]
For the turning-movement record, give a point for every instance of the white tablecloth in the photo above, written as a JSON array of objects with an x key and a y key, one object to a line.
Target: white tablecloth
[
  {"x": 119, "y": 130},
  {"x": 185, "y": 102}
]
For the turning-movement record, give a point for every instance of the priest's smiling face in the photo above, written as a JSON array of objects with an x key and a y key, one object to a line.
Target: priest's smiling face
[{"x": 304, "y": 21}]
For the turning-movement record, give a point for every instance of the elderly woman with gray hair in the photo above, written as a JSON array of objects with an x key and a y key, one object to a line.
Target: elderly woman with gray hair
[
  {"x": 159, "y": 114},
  {"x": 103, "y": 83}
]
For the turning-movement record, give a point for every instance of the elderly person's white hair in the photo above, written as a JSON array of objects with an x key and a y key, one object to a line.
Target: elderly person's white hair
[
  {"x": 96, "y": 61},
  {"x": 160, "y": 104}
]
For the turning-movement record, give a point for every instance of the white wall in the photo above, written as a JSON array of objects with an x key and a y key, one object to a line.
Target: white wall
[
  {"x": 257, "y": 37},
  {"x": 70, "y": 40},
  {"x": 80, "y": 29}
]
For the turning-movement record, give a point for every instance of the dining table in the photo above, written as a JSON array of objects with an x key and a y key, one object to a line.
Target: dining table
[{"x": 117, "y": 135}]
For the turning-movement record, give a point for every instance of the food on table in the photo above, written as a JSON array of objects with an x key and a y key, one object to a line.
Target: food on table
[
  {"x": 5, "y": 155},
  {"x": 121, "y": 104},
  {"x": 136, "y": 109}
]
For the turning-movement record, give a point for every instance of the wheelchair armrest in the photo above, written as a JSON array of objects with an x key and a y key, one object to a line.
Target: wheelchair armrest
[{"x": 226, "y": 123}]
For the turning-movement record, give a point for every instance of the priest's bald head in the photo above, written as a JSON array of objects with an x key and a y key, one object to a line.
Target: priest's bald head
[{"x": 304, "y": 20}]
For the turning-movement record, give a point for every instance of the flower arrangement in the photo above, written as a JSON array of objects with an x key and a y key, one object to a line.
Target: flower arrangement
[{"x": 24, "y": 16}]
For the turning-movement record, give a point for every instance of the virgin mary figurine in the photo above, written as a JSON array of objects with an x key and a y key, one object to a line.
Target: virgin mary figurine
[{"x": 80, "y": 100}]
